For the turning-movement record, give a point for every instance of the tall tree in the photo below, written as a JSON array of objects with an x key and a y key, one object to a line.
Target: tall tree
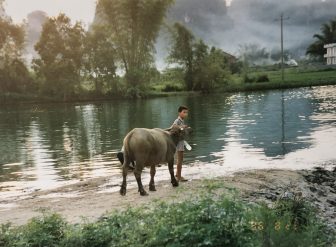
[
  {"x": 133, "y": 25},
  {"x": 327, "y": 36},
  {"x": 60, "y": 51},
  {"x": 100, "y": 59},
  {"x": 204, "y": 68},
  {"x": 211, "y": 67},
  {"x": 181, "y": 52},
  {"x": 14, "y": 76}
]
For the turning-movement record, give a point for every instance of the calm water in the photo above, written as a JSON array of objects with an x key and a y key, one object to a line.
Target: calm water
[{"x": 42, "y": 146}]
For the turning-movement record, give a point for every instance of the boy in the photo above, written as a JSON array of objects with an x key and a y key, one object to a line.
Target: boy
[{"x": 182, "y": 114}]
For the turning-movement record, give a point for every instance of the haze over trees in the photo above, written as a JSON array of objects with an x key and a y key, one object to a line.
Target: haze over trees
[{"x": 33, "y": 29}]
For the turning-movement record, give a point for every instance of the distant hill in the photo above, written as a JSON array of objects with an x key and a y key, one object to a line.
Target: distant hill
[
  {"x": 35, "y": 21},
  {"x": 245, "y": 21},
  {"x": 252, "y": 21},
  {"x": 3, "y": 13}
]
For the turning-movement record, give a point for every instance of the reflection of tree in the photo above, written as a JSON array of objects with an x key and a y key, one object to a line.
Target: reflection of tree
[
  {"x": 274, "y": 121},
  {"x": 208, "y": 118}
]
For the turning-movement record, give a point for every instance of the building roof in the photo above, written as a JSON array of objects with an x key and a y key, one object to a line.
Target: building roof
[{"x": 330, "y": 45}]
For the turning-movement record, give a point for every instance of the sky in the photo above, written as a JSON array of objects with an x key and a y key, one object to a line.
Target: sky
[{"x": 81, "y": 10}]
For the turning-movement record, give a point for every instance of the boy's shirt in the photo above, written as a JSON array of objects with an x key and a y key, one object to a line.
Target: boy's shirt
[
  {"x": 180, "y": 145},
  {"x": 179, "y": 121}
]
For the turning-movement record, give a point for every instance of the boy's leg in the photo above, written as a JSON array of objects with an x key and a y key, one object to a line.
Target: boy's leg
[{"x": 179, "y": 164}]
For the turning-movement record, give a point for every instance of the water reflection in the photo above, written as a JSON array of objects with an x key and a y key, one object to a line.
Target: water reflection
[{"x": 44, "y": 145}]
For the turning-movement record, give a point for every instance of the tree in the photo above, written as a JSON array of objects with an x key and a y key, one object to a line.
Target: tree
[
  {"x": 182, "y": 53},
  {"x": 211, "y": 67},
  {"x": 14, "y": 76},
  {"x": 60, "y": 50},
  {"x": 204, "y": 68},
  {"x": 328, "y": 35},
  {"x": 99, "y": 59},
  {"x": 133, "y": 25}
]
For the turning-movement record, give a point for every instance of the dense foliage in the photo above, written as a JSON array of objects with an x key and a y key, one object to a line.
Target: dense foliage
[
  {"x": 204, "y": 67},
  {"x": 14, "y": 75}
]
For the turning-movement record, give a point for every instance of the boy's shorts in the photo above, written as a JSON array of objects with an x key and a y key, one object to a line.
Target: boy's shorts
[{"x": 180, "y": 146}]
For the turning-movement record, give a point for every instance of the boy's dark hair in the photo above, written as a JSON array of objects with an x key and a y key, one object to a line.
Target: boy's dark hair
[{"x": 182, "y": 107}]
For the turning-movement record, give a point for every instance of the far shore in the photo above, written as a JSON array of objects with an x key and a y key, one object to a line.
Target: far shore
[{"x": 17, "y": 99}]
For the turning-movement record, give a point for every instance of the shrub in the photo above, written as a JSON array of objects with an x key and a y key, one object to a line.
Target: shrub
[
  {"x": 248, "y": 79},
  {"x": 262, "y": 78},
  {"x": 46, "y": 230},
  {"x": 172, "y": 88}
]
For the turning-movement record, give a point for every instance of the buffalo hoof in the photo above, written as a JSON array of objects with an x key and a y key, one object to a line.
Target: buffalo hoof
[
  {"x": 175, "y": 183},
  {"x": 143, "y": 193},
  {"x": 122, "y": 191},
  {"x": 152, "y": 187}
]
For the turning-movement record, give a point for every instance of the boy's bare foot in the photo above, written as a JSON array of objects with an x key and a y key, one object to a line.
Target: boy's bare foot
[{"x": 181, "y": 179}]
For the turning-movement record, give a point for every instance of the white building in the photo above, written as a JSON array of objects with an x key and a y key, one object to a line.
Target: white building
[{"x": 331, "y": 54}]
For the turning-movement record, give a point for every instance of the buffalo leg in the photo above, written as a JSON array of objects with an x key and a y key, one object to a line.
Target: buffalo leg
[
  {"x": 171, "y": 171},
  {"x": 151, "y": 183},
  {"x": 137, "y": 174},
  {"x": 124, "y": 173}
]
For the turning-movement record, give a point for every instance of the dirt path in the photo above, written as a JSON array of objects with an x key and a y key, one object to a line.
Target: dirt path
[{"x": 91, "y": 199}]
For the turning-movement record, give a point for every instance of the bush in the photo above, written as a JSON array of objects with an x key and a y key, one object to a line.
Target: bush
[
  {"x": 262, "y": 78},
  {"x": 47, "y": 230},
  {"x": 5, "y": 235},
  {"x": 172, "y": 88},
  {"x": 248, "y": 79}
]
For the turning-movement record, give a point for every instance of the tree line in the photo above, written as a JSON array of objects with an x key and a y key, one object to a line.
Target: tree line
[{"x": 115, "y": 57}]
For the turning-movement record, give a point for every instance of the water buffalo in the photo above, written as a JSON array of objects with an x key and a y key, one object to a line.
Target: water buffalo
[{"x": 150, "y": 147}]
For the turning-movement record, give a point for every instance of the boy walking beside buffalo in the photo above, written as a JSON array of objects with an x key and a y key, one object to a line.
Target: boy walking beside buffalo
[{"x": 182, "y": 115}]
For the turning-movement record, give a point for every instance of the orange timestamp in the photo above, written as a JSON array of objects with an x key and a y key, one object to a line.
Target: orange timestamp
[{"x": 278, "y": 225}]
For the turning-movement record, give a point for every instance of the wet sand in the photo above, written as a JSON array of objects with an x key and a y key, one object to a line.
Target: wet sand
[{"x": 88, "y": 200}]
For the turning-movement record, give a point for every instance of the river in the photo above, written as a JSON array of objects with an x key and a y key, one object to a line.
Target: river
[{"x": 47, "y": 145}]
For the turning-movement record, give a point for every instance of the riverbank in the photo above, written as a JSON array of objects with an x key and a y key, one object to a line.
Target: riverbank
[
  {"x": 14, "y": 99},
  {"x": 239, "y": 87},
  {"x": 17, "y": 99},
  {"x": 92, "y": 198},
  {"x": 294, "y": 78},
  {"x": 287, "y": 207}
]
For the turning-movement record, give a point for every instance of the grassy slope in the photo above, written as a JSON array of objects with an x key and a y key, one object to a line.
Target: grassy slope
[{"x": 293, "y": 78}]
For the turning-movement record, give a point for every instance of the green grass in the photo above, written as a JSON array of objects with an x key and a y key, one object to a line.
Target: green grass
[
  {"x": 294, "y": 78},
  {"x": 297, "y": 75},
  {"x": 209, "y": 219}
]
